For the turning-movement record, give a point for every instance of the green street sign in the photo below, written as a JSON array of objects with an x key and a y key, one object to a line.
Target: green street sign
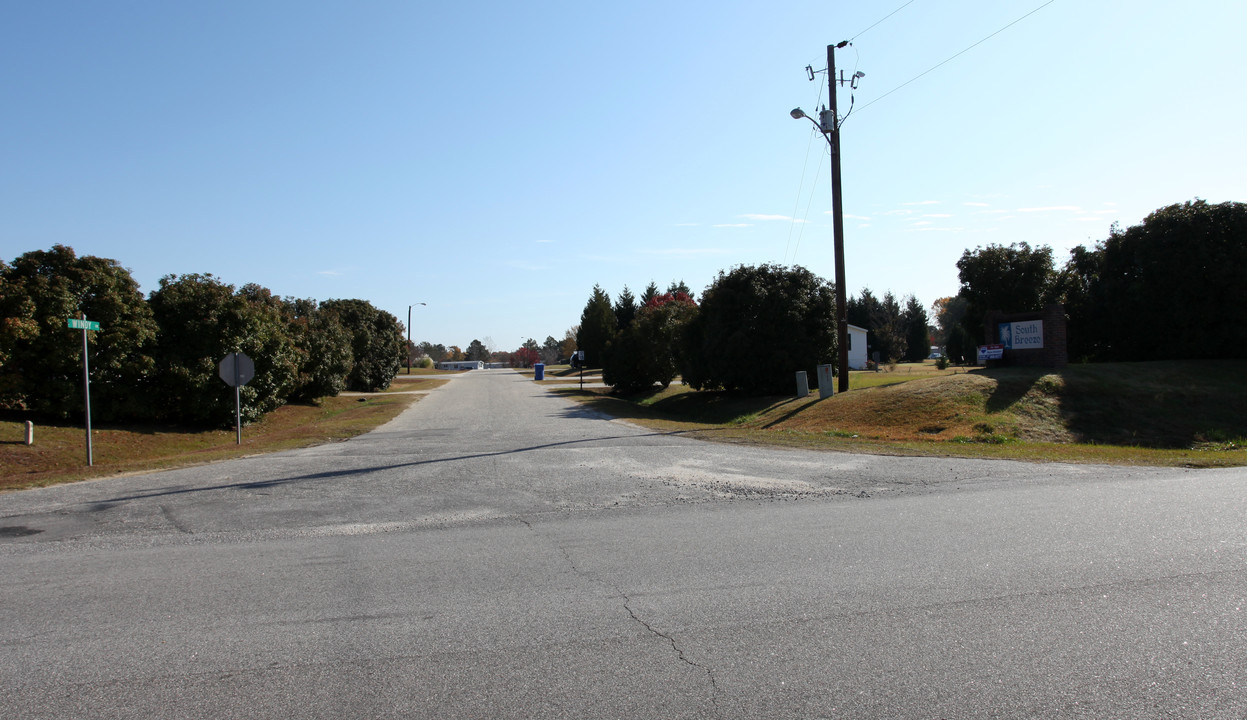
[{"x": 76, "y": 324}]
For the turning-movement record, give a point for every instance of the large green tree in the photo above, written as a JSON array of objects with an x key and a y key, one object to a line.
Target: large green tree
[
  {"x": 41, "y": 358},
  {"x": 647, "y": 351},
  {"x": 1170, "y": 287},
  {"x": 758, "y": 325},
  {"x": 323, "y": 348},
  {"x": 377, "y": 343},
  {"x": 477, "y": 351},
  {"x": 917, "y": 330},
  {"x": 884, "y": 321},
  {"x": 597, "y": 327},
  {"x": 1013, "y": 278},
  {"x": 201, "y": 320},
  {"x": 625, "y": 308}
]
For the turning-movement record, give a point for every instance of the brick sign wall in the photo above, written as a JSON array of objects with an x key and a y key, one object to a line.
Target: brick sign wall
[{"x": 1031, "y": 338}]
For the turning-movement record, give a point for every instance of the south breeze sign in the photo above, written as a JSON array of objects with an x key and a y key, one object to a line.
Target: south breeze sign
[{"x": 1021, "y": 335}]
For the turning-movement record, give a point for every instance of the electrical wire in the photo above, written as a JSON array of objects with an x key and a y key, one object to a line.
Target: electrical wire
[
  {"x": 797, "y": 203},
  {"x": 885, "y": 17},
  {"x": 801, "y": 186},
  {"x": 954, "y": 57},
  {"x": 808, "y": 203}
]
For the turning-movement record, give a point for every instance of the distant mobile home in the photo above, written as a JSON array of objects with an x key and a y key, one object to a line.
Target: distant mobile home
[
  {"x": 461, "y": 365},
  {"x": 857, "y": 348}
]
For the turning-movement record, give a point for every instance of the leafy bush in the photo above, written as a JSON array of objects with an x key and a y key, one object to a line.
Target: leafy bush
[
  {"x": 201, "y": 320},
  {"x": 41, "y": 358},
  {"x": 323, "y": 346},
  {"x": 646, "y": 351},
  {"x": 376, "y": 342},
  {"x": 757, "y": 327}
]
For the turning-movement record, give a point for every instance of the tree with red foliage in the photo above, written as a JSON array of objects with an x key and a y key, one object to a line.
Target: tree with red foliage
[
  {"x": 645, "y": 352},
  {"x": 525, "y": 357}
]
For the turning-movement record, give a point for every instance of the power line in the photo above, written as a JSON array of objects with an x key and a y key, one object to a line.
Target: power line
[
  {"x": 885, "y": 17},
  {"x": 801, "y": 186},
  {"x": 954, "y": 57},
  {"x": 805, "y": 218}
]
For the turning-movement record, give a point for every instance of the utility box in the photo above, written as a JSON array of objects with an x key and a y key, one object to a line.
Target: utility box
[
  {"x": 539, "y": 371},
  {"x": 826, "y": 385},
  {"x": 803, "y": 384}
]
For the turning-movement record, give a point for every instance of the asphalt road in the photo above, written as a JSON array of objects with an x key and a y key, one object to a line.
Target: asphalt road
[{"x": 498, "y": 552}]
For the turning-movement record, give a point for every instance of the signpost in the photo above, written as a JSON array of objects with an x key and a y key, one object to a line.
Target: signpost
[
  {"x": 84, "y": 325},
  {"x": 236, "y": 369}
]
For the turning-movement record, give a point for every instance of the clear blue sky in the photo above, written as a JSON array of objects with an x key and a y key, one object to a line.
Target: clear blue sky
[{"x": 495, "y": 160}]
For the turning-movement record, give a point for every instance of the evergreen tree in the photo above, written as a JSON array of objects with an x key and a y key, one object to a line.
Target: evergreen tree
[
  {"x": 597, "y": 327},
  {"x": 625, "y": 308}
]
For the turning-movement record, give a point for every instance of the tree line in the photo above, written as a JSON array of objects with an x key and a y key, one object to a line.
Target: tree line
[
  {"x": 155, "y": 358},
  {"x": 1168, "y": 288},
  {"x": 752, "y": 328},
  {"x": 549, "y": 352}
]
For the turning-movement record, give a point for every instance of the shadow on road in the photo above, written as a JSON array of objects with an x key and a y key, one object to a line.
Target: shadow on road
[{"x": 276, "y": 482}]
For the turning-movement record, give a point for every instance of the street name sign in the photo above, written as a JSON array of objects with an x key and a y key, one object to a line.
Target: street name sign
[{"x": 76, "y": 324}]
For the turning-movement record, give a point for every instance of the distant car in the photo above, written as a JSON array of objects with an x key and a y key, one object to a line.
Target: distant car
[{"x": 935, "y": 355}]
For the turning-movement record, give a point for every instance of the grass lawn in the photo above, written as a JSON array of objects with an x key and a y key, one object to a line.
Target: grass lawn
[
  {"x": 418, "y": 382},
  {"x": 59, "y": 451},
  {"x": 1168, "y": 413}
]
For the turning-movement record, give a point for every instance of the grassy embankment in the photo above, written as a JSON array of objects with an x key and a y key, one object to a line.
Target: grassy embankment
[
  {"x": 1164, "y": 413},
  {"x": 59, "y": 452}
]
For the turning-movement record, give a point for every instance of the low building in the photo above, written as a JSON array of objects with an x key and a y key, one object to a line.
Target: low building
[
  {"x": 857, "y": 348},
  {"x": 461, "y": 365}
]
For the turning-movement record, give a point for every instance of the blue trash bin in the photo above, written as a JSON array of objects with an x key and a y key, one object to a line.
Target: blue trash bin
[{"x": 539, "y": 371}]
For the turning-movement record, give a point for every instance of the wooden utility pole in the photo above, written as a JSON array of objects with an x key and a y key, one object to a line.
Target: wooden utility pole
[{"x": 837, "y": 219}]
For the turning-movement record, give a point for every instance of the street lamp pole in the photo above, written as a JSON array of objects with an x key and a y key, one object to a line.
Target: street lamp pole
[
  {"x": 829, "y": 125},
  {"x": 837, "y": 226},
  {"x": 409, "y": 348}
]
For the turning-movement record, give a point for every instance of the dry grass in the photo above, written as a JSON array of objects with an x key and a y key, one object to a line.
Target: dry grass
[
  {"x": 1176, "y": 413},
  {"x": 417, "y": 382},
  {"x": 59, "y": 452}
]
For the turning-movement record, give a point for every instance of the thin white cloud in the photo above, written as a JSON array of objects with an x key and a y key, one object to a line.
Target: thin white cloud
[
  {"x": 332, "y": 273},
  {"x": 899, "y": 212},
  {"x": 687, "y": 224},
  {"x": 923, "y": 202},
  {"x": 1052, "y": 208},
  {"x": 937, "y": 215},
  {"x": 922, "y": 222},
  {"x": 732, "y": 225},
  {"x": 545, "y": 240},
  {"x": 756, "y": 216},
  {"x": 976, "y": 204},
  {"x": 686, "y": 251},
  {"x": 856, "y": 217}
]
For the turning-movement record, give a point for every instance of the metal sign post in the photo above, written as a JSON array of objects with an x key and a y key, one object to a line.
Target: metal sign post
[
  {"x": 236, "y": 369},
  {"x": 85, "y": 325}
]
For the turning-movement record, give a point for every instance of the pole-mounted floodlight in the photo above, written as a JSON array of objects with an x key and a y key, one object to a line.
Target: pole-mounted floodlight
[{"x": 409, "y": 348}]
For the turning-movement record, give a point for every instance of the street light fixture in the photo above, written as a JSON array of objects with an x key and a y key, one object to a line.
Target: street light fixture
[{"x": 409, "y": 347}]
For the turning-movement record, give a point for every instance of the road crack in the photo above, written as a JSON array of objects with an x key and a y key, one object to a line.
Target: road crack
[{"x": 627, "y": 606}]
